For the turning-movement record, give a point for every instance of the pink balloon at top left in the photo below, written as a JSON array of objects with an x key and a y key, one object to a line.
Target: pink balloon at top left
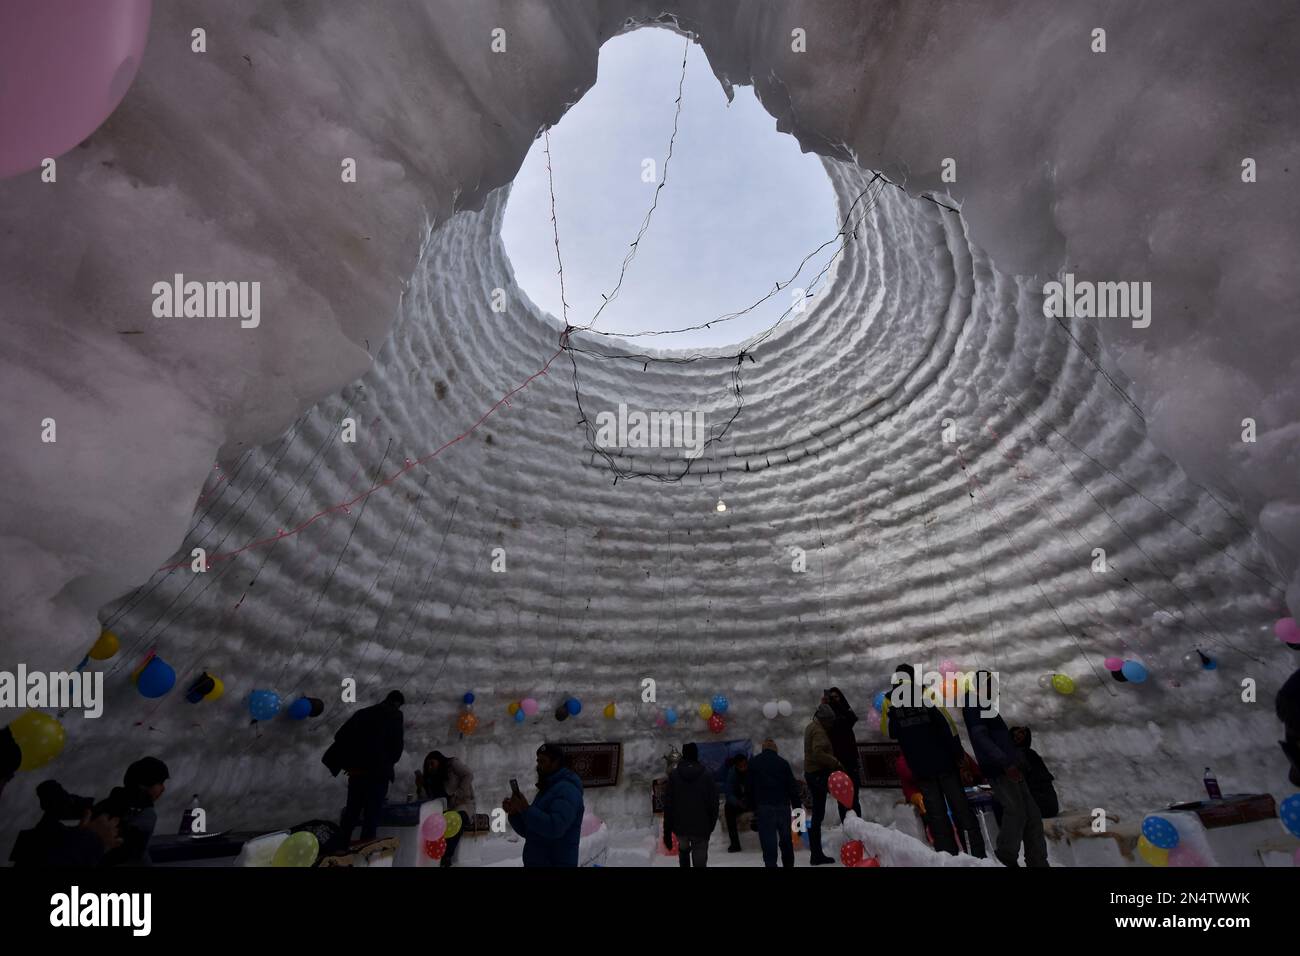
[{"x": 64, "y": 67}]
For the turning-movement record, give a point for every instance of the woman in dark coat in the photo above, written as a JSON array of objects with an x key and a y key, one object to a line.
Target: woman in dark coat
[{"x": 1037, "y": 776}]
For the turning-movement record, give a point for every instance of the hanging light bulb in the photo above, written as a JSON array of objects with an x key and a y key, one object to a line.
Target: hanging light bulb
[{"x": 721, "y": 505}]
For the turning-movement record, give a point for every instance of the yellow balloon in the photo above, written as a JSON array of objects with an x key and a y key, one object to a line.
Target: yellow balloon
[
  {"x": 1152, "y": 853},
  {"x": 1062, "y": 684},
  {"x": 300, "y": 849},
  {"x": 512, "y": 707},
  {"x": 706, "y": 711},
  {"x": 453, "y": 824},
  {"x": 39, "y": 737},
  {"x": 218, "y": 688},
  {"x": 610, "y": 710},
  {"x": 106, "y": 646}
]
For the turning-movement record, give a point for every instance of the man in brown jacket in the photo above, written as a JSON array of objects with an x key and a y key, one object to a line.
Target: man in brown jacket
[{"x": 818, "y": 764}]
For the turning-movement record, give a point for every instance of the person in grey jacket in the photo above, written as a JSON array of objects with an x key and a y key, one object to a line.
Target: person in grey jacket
[
  {"x": 690, "y": 808},
  {"x": 1003, "y": 766}
]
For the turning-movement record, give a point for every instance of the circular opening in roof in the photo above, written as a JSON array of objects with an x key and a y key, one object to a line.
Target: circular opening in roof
[{"x": 733, "y": 211}]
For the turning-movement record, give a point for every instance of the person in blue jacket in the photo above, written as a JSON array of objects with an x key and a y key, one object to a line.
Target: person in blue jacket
[{"x": 552, "y": 825}]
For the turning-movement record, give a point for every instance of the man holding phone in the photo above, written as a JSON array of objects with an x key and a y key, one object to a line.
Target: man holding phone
[{"x": 552, "y": 825}]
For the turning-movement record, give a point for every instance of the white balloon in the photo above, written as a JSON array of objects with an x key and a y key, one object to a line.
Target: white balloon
[
  {"x": 770, "y": 710},
  {"x": 785, "y": 708}
]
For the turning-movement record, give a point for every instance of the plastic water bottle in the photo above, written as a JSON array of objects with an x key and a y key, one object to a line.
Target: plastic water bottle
[
  {"x": 187, "y": 818},
  {"x": 1212, "y": 785}
]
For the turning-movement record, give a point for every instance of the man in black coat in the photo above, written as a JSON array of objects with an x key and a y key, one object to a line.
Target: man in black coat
[
  {"x": 844, "y": 744},
  {"x": 934, "y": 755},
  {"x": 775, "y": 792},
  {"x": 690, "y": 808},
  {"x": 366, "y": 748},
  {"x": 1288, "y": 711}
]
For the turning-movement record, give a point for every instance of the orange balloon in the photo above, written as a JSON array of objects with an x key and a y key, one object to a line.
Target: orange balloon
[{"x": 467, "y": 723}]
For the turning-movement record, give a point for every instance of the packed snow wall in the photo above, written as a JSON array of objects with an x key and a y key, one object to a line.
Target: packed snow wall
[{"x": 1124, "y": 165}]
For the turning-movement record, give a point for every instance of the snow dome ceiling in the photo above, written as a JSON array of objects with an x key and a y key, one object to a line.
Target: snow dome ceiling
[{"x": 377, "y": 305}]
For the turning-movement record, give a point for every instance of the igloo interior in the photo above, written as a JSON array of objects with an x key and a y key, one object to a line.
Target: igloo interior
[{"x": 920, "y": 470}]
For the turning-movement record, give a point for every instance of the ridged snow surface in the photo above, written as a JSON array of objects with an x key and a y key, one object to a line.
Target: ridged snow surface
[{"x": 978, "y": 550}]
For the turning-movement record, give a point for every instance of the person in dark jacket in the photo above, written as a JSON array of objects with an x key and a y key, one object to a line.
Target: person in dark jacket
[
  {"x": 844, "y": 744},
  {"x": 819, "y": 762},
  {"x": 448, "y": 778},
  {"x": 736, "y": 797},
  {"x": 775, "y": 793},
  {"x": 11, "y": 757},
  {"x": 53, "y": 844},
  {"x": 142, "y": 786},
  {"x": 1037, "y": 776},
  {"x": 1001, "y": 763},
  {"x": 934, "y": 754},
  {"x": 552, "y": 825},
  {"x": 690, "y": 808},
  {"x": 366, "y": 748},
  {"x": 1288, "y": 711}
]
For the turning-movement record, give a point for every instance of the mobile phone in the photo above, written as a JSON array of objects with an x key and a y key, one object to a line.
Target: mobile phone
[{"x": 514, "y": 787}]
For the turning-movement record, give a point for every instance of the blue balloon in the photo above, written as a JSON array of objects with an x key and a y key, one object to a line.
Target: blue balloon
[
  {"x": 1160, "y": 832},
  {"x": 573, "y": 706},
  {"x": 1288, "y": 811},
  {"x": 469, "y": 697},
  {"x": 720, "y": 704},
  {"x": 300, "y": 709},
  {"x": 520, "y": 716},
  {"x": 264, "y": 704},
  {"x": 156, "y": 679},
  {"x": 670, "y": 715},
  {"x": 878, "y": 701},
  {"x": 1133, "y": 671}
]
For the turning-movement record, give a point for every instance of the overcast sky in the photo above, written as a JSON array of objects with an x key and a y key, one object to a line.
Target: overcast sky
[{"x": 741, "y": 208}]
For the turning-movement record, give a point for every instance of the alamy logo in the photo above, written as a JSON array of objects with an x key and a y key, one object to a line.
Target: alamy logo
[
  {"x": 75, "y": 908},
  {"x": 956, "y": 689},
  {"x": 1098, "y": 300},
  {"x": 179, "y": 299},
  {"x": 637, "y": 429},
  {"x": 67, "y": 690}
]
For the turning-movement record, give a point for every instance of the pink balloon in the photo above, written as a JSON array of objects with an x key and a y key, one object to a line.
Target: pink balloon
[
  {"x": 590, "y": 824},
  {"x": 1114, "y": 663},
  {"x": 1287, "y": 630},
  {"x": 64, "y": 67},
  {"x": 529, "y": 706},
  {"x": 946, "y": 667},
  {"x": 433, "y": 827},
  {"x": 1185, "y": 856}
]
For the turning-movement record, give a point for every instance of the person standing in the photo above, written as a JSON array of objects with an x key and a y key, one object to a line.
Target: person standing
[
  {"x": 934, "y": 754},
  {"x": 366, "y": 748},
  {"x": 775, "y": 792},
  {"x": 844, "y": 744},
  {"x": 1001, "y": 763},
  {"x": 1288, "y": 712},
  {"x": 142, "y": 786},
  {"x": 690, "y": 808},
  {"x": 736, "y": 797},
  {"x": 552, "y": 825},
  {"x": 1036, "y": 773},
  {"x": 819, "y": 762},
  {"x": 448, "y": 778}
]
